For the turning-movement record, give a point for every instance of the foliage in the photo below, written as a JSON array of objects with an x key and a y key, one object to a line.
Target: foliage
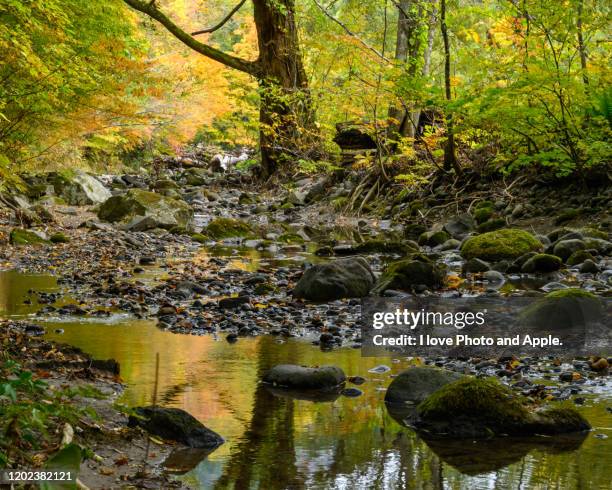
[{"x": 31, "y": 412}]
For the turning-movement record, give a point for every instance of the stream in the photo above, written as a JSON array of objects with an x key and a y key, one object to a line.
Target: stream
[{"x": 278, "y": 442}]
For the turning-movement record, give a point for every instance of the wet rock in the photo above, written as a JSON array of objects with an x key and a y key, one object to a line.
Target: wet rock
[
  {"x": 381, "y": 369},
  {"x": 341, "y": 278},
  {"x": 357, "y": 380},
  {"x": 542, "y": 263},
  {"x": 482, "y": 407},
  {"x": 451, "y": 244},
  {"x": 233, "y": 303},
  {"x": 146, "y": 210},
  {"x": 578, "y": 257},
  {"x": 433, "y": 238},
  {"x": 460, "y": 226},
  {"x": 305, "y": 378},
  {"x": 351, "y": 392},
  {"x": 411, "y": 272},
  {"x": 500, "y": 245},
  {"x": 491, "y": 225},
  {"x": 565, "y": 248},
  {"x": 600, "y": 364},
  {"x": 176, "y": 425},
  {"x": 415, "y": 384},
  {"x": 589, "y": 267},
  {"x": 476, "y": 265}
]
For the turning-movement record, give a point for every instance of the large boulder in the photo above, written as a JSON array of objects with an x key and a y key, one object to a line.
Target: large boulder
[
  {"x": 405, "y": 274},
  {"x": 564, "y": 308},
  {"x": 343, "y": 278},
  {"x": 78, "y": 188},
  {"x": 141, "y": 210},
  {"x": 483, "y": 407},
  {"x": 176, "y": 425},
  {"x": 542, "y": 263},
  {"x": 294, "y": 377},
  {"x": 507, "y": 244},
  {"x": 415, "y": 384}
]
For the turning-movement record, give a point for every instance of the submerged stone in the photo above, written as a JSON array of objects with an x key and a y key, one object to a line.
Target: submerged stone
[{"x": 296, "y": 377}]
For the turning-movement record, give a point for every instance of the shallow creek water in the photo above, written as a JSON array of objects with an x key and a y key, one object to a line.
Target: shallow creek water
[{"x": 276, "y": 442}]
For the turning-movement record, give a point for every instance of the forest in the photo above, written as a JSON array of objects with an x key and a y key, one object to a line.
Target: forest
[{"x": 207, "y": 207}]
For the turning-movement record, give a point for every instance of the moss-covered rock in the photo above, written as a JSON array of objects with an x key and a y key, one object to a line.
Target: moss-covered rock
[
  {"x": 500, "y": 245},
  {"x": 578, "y": 257},
  {"x": 200, "y": 238},
  {"x": 433, "y": 238},
  {"x": 141, "y": 210},
  {"x": 567, "y": 215},
  {"x": 565, "y": 248},
  {"x": 19, "y": 236},
  {"x": 59, "y": 237},
  {"x": 594, "y": 233},
  {"x": 491, "y": 225},
  {"x": 483, "y": 407},
  {"x": 483, "y": 214},
  {"x": 292, "y": 238},
  {"x": 386, "y": 247},
  {"x": 416, "y": 270},
  {"x": 542, "y": 263},
  {"x": 221, "y": 228},
  {"x": 413, "y": 231},
  {"x": 564, "y": 308}
]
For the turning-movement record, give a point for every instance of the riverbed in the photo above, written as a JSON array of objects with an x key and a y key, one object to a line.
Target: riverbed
[{"x": 274, "y": 441}]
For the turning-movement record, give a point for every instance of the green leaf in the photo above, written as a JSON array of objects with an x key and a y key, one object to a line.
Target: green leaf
[{"x": 67, "y": 459}]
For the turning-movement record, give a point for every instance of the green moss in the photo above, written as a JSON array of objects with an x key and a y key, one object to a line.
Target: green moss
[
  {"x": 482, "y": 214},
  {"x": 567, "y": 215},
  {"x": 578, "y": 257},
  {"x": 179, "y": 230},
  {"x": 59, "y": 237},
  {"x": 571, "y": 293},
  {"x": 500, "y": 245},
  {"x": 287, "y": 205},
  {"x": 594, "y": 233},
  {"x": 226, "y": 227},
  {"x": 19, "y": 236},
  {"x": 484, "y": 205},
  {"x": 433, "y": 238},
  {"x": 542, "y": 263},
  {"x": 264, "y": 288},
  {"x": 483, "y": 398},
  {"x": 491, "y": 225},
  {"x": 416, "y": 270},
  {"x": 564, "y": 308},
  {"x": 200, "y": 238},
  {"x": 340, "y": 203},
  {"x": 386, "y": 246},
  {"x": 290, "y": 238}
]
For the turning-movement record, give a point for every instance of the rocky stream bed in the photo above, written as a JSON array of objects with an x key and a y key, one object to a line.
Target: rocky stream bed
[{"x": 229, "y": 283}]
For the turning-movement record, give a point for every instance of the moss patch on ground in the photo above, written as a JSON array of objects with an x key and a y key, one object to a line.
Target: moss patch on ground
[{"x": 221, "y": 228}]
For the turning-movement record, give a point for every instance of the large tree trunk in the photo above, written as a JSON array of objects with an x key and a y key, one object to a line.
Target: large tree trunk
[
  {"x": 287, "y": 119},
  {"x": 287, "y": 128}
]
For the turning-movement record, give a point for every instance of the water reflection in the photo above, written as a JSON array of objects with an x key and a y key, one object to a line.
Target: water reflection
[{"x": 279, "y": 442}]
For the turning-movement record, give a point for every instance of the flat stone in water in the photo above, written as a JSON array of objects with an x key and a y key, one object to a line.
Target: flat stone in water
[{"x": 379, "y": 369}]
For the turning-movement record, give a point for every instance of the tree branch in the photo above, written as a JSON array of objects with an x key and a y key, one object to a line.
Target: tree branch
[
  {"x": 250, "y": 67},
  {"x": 349, "y": 32},
  {"x": 223, "y": 22}
]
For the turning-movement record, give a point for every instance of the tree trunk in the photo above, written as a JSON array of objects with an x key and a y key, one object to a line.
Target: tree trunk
[
  {"x": 287, "y": 118},
  {"x": 450, "y": 157},
  {"x": 287, "y": 128},
  {"x": 581, "y": 47}
]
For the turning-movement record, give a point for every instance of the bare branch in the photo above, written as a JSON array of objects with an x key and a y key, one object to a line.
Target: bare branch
[
  {"x": 349, "y": 32},
  {"x": 250, "y": 67},
  {"x": 223, "y": 22}
]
